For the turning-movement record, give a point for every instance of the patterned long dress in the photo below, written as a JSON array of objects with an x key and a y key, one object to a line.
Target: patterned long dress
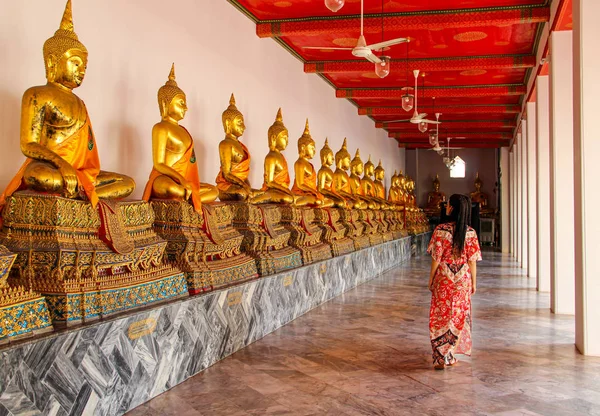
[{"x": 450, "y": 313}]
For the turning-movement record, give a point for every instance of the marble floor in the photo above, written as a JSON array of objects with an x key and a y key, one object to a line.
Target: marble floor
[{"x": 367, "y": 353}]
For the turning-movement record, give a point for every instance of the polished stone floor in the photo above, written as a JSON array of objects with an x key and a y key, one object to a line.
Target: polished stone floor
[{"x": 367, "y": 353}]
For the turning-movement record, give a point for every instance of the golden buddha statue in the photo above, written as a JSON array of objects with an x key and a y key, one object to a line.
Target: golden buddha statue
[
  {"x": 305, "y": 183},
  {"x": 175, "y": 172},
  {"x": 480, "y": 197},
  {"x": 56, "y": 132},
  {"x": 435, "y": 198},
  {"x": 232, "y": 180},
  {"x": 341, "y": 180},
  {"x": 369, "y": 186},
  {"x": 393, "y": 192},
  {"x": 325, "y": 178},
  {"x": 379, "y": 177},
  {"x": 276, "y": 186},
  {"x": 356, "y": 185}
]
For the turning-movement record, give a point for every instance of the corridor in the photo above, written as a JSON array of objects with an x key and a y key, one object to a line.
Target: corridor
[{"x": 367, "y": 353}]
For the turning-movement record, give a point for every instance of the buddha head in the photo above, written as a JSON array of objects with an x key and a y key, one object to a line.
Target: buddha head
[
  {"x": 436, "y": 183},
  {"x": 233, "y": 120},
  {"x": 326, "y": 155},
  {"x": 171, "y": 99},
  {"x": 65, "y": 56},
  {"x": 369, "y": 168},
  {"x": 395, "y": 180},
  {"x": 478, "y": 183},
  {"x": 278, "y": 134},
  {"x": 342, "y": 157},
  {"x": 306, "y": 144},
  {"x": 379, "y": 172},
  {"x": 402, "y": 181},
  {"x": 356, "y": 166}
]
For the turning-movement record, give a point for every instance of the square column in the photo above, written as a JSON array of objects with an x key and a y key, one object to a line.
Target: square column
[
  {"x": 542, "y": 156},
  {"x": 562, "y": 214},
  {"x": 586, "y": 105},
  {"x": 505, "y": 197},
  {"x": 519, "y": 184},
  {"x": 511, "y": 190},
  {"x": 523, "y": 208},
  {"x": 531, "y": 193}
]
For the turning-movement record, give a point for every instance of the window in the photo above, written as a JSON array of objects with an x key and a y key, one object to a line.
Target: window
[{"x": 457, "y": 170}]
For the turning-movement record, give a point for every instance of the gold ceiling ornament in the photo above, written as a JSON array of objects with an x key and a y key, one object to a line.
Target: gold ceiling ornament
[
  {"x": 470, "y": 36},
  {"x": 473, "y": 72}
]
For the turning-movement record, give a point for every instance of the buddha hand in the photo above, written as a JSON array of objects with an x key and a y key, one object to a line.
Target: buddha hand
[{"x": 69, "y": 175}]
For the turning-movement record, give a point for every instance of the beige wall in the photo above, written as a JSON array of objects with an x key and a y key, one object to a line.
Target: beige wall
[
  {"x": 132, "y": 44},
  {"x": 423, "y": 165}
]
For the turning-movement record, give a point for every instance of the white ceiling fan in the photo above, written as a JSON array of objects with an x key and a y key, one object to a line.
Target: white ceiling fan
[
  {"x": 417, "y": 117},
  {"x": 362, "y": 50}
]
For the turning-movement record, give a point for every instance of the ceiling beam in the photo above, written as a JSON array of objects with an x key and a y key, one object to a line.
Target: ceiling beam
[
  {"x": 426, "y": 65},
  {"x": 446, "y": 19},
  {"x": 449, "y": 126},
  {"x": 458, "y": 109},
  {"x": 467, "y": 146},
  {"x": 430, "y": 92},
  {"x": 414, "y": 136}
]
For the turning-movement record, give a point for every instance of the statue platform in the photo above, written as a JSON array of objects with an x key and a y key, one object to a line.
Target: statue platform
[
  {"x": 334, "y": 231},
  {"x": 205, "y": 246},
  {"x": 114, "y": 366},
  {"x": 23, "y": 312},
  {"x": 373, "y": 227},
  {"x": 351, "y": 218},
  {"x": 305, "y": 235},
  {"x": 60, "y": 254},
  {"x": 264, "y": 237}
]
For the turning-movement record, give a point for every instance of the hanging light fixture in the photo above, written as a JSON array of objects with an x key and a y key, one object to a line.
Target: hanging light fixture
[
  {"x": 433, "y": 135},
  {"x": 334, "y": 5},
  {"x": 423, "y": 125},
  {"x": 408, "y": 100},
  {"x": 382, "y": 69}
]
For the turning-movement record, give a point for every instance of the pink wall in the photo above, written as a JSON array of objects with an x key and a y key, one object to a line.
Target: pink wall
[
  {"x": 132, "y": 44},
  {"x": 423, "y": 165}
]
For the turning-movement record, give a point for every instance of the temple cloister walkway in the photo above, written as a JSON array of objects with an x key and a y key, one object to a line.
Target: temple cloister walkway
[{"x": 367, "y": 353}]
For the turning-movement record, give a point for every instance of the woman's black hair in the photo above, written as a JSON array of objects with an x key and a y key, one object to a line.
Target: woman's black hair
[{"x": 461, "y": 216}]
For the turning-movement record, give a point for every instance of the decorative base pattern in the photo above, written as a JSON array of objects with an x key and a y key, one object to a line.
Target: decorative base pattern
[
  {"x": 265, "y": 238},
  {"x": 60, "y": 255},
  {"x": 114, "y": 366},
  {"x": 205, "y": 246},
  {"x": 305, "y": 235},
  {"x": 334, "y": 231},
  {"x": 24, "y": 319}
]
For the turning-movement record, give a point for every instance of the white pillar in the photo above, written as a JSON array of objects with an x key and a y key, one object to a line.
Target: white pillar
[
  {"x": 504, "y": 209},
  {"x": 586, "y": 104},
  {"x": 562, "y": 212},
  {"x": 542, "y": 153},
  {"x": 531, "y": 193},
  {"x": 511, "y": 161},
  {"x": 523, "y": 208},
  {"x": 519, "y": 223}
]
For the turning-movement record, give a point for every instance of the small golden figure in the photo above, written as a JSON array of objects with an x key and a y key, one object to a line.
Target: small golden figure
[
  {"x": 276, "y": 186},
  {"x": 232, "y": 180},
  {"x": 325, "y": 178},
  {"x": 341, "y": 180},
  {"x": 56, "y": 132},
  {"x": 305, "y": 183},
  {"x": 356, "y": 185},
  {"x": 480, "y": 197},
  {"x": 175, "y": 171},
  {"x": 370, "y": 187},
  {"x": 435, "y": 198}
]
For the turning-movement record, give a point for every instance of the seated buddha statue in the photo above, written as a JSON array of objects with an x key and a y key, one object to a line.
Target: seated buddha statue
[
  {"x": 305, "y": 182},
  {"x": 379, "y": 177},
  {"x": 393, "y": 192},
  {"x": 369, "y": 186},
  {"x": 276, "y": 185},
  {"x": 232, "y": 180},
  {"x": 341, "y": 180},
  {"x": 356, "y": 185},
  {"x": 56, "y": 132},
  {"x": 325, "y": 178},
  {"x": 435, "y": 198},
  {"x": 480, "y": 197},
  {"x": 175, "y": 172}
]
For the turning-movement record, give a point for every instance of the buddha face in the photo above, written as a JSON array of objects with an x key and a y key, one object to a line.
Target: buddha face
[
  {"x": 358, "y": 169},
  {"x": 69, "y": 69},
  {"x": 236, "y": 126},
  {"x": 177, "y": 108},
  {"x": 436, "y": 186},
  {"x": 280, "y": 142},
  {"x": 344, "y": 163},
  {"x": 308, "y": 150},
  {"x": 379, "y": 174},
  {"x": 370, "y": 170},
  {"x": 327, "y": 158}
]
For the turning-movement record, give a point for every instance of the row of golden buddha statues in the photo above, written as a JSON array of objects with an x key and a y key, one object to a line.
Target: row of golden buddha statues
[
  {"x": 436, "y": 198},
  {"x": 73, "y": 251}
]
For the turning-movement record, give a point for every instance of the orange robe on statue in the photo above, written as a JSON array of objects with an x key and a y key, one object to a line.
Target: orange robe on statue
[
  {"x": 241, "y": 170},
  {"x": 79, "y": 151},
  {"x": 282, "y": 178},
  {"x": 186, "y": 167},
  {"x": 311, "y": 180}
]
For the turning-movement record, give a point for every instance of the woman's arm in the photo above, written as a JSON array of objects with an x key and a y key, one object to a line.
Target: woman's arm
[
  {"x": 434, "y": 266},
  {"x": 473, "y": 267}
]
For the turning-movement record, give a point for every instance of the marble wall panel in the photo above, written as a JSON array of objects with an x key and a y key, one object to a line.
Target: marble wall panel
[{"x": 115, "y": 365}]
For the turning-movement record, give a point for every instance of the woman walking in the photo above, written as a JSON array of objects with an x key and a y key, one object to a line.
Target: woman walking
[{"x": 454, "y": 249}]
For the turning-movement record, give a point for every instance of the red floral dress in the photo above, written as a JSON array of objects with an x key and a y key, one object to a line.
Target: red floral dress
[{"x": 450, "y": 313}]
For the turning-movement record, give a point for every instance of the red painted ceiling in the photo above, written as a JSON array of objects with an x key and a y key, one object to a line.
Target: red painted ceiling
[{"x": 477, "y": 56}]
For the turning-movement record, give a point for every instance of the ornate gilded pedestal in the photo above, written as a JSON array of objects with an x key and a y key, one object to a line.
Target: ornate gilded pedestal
[
  {"x": 373, "y": 227},
  {"x": 60, "y": 255},
  {"x": 334, "y": 231},
  {"x": 357, "y": 228},
  {"x": 205, "y": 247},
  {"x": 305, "y": 235},
  {"x": 386, "y": 225},
  {"x": 22, "y": 312},
  {"x": 265, "y": 238}
]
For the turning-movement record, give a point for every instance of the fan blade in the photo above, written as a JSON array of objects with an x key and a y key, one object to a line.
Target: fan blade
[
  {"x": 327, "y": 48},
  {"x": 372, "y": 58},
  {"x": 387, "y": 43},
  {"x": 431, "y": 121},
  {"x": 404, "y": 120}
]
